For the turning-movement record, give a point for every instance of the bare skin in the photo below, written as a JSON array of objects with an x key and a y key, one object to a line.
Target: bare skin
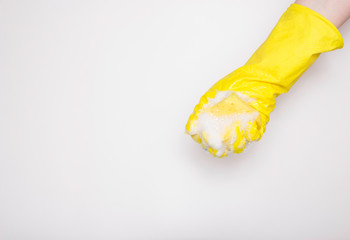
[{"x": 336, "y": 11}]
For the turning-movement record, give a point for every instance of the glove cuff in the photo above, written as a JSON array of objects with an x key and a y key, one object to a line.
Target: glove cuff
[{"x": 296, "y": 41}]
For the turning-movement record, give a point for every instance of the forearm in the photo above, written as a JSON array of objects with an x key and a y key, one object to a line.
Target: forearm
[
  {"x": 336, "y": 11},
  {"x": 236, "y": 109}
]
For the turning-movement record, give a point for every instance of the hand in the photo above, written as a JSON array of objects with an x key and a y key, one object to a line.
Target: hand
[
  {"x": 224, "y": 122},
  {"x": 236, "y": 109}
]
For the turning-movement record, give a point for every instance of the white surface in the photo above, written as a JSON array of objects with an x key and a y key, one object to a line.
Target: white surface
[{"x": 94, "y": 97}]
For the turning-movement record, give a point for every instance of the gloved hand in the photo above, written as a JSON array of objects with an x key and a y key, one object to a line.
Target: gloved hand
[{"x": 236, "y": 109}]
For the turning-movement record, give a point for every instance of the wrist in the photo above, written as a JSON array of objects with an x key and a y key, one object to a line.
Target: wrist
[{"x": 336, "y": 11}]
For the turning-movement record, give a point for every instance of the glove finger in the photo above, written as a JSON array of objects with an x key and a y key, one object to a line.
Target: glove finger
[
  {"x": 240, "y": 142},
  {"x": 253, "y": 132},
  {"x": 190, "y": 125},
  {"x": 196, "y": 138},
  {"x": 218, "y": 153}
]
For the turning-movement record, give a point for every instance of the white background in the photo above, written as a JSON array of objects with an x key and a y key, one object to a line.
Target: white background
[{"x": 94, "y": 98}]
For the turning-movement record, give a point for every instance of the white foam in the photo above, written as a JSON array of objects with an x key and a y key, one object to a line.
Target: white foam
[{"x": 216, "y": 126}]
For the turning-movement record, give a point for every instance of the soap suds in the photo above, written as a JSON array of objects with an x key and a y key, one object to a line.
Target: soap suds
[{"x": 212, "y": 128}]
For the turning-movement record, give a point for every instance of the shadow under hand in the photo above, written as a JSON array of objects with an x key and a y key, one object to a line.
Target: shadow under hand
[{"x": 212, "y": 166}]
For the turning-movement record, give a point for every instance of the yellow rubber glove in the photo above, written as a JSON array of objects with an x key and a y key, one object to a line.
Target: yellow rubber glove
[{"x": 236, "y": 109}]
